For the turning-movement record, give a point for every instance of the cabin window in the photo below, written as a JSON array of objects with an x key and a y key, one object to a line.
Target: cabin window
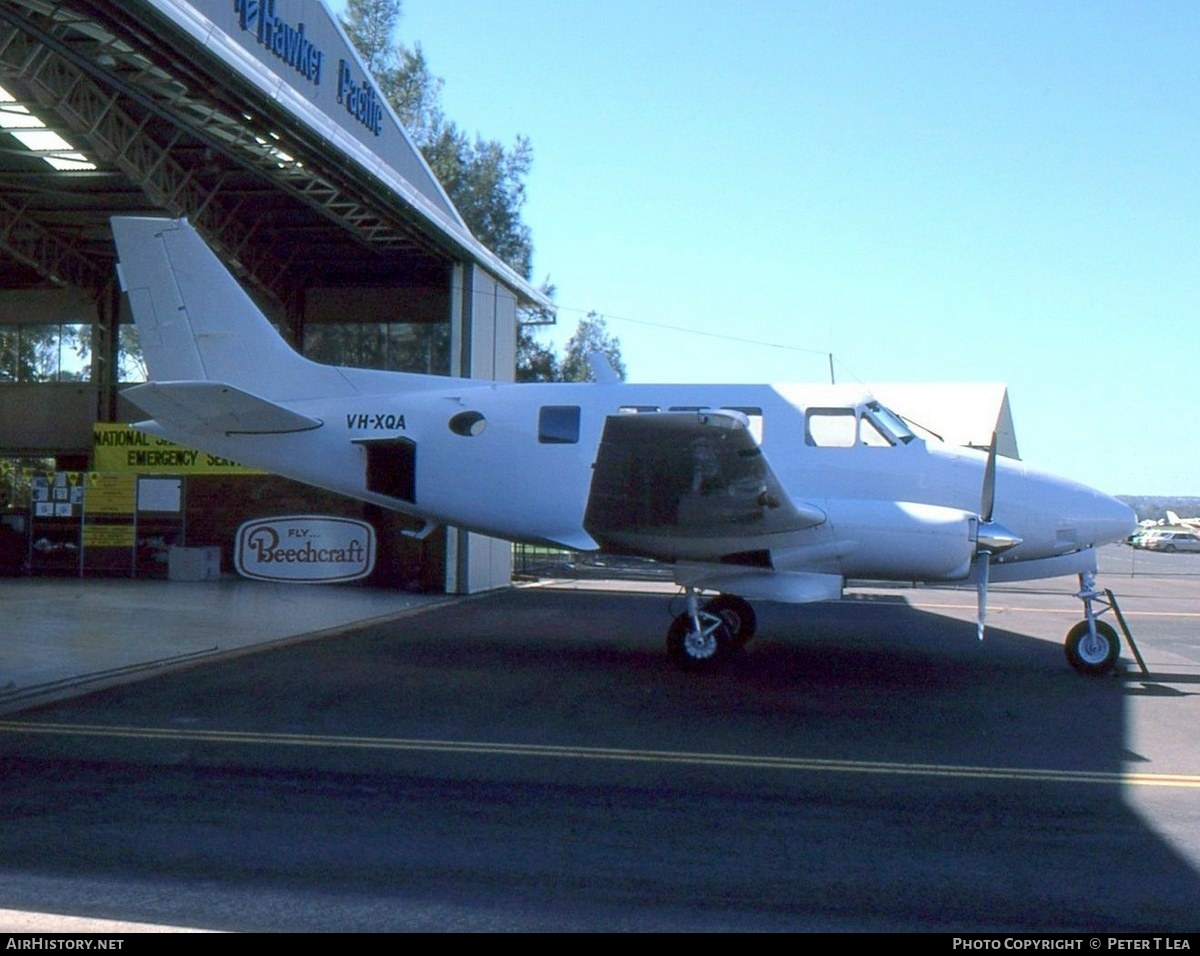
[
  {"x": 468, "y": 424},
  {"x": 558, "y": 424},
  {"x": 753, "y": 413},
  {"x": 637, "y": 409},
  {"x": 755, "y": 416},
  {"x": 831, "y": 427}
]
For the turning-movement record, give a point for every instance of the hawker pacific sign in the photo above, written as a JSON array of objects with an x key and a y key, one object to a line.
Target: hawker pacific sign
[
  {"x": 305, "y": 549},
  {"x": 286, "y": 41}
]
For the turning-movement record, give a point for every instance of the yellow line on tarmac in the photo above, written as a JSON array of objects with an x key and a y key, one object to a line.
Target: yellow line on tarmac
[
  {"x": 1074, "y": 612},
  {"x": 745, "y": 761}
]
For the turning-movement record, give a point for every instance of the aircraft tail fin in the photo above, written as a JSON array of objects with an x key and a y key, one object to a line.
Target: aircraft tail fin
[{"x": 197, "y": 324}]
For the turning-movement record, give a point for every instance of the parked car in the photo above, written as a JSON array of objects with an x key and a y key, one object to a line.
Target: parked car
[{"x": 1171, "y": 540}]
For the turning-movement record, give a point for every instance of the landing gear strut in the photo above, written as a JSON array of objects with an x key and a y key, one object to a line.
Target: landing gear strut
[
  {"x": 702, "y": 637},
  {"x": 738, "y": 616},
  {"x": 1092, "y": 645}
]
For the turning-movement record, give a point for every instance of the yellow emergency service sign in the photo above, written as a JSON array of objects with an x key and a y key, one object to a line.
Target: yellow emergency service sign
[
  {"x": 109, "y": 494},
  {"x": 109, "y": 535},
  {"x": 119, "y": 449}
]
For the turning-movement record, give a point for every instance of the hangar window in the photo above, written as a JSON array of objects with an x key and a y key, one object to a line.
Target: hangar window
[
  {"x": 558, "y": 424},
  {"x": 61, "y": 352},
  {"x": 393, "y": 346},
  {"x": 131, "y": 363}
]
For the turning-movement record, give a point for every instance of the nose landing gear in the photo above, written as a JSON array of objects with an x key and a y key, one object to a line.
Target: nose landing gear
[{"x": 1092, "y": 646}]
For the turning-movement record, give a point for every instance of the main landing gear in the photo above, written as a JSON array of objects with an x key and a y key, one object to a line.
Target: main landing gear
[
  {"x": 710, "y": 632},
  {"x": 1092, "y": 646}
]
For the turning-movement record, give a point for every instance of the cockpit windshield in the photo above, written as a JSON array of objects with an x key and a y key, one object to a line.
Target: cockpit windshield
[{"x": 889, "y": 422}]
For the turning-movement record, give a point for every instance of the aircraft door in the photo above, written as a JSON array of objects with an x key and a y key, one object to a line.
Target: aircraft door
[{"x": 391, "y": 468}]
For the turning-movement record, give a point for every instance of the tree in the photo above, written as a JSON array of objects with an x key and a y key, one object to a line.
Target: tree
[
  {"x": 486, "y": 183},
  {"x": 483, "y": 178},
  {"x": 56, "y": 352},
  {"x": 590, "y": 336},
  {"x": 370, "y": 24},
  {"x": 535, "y": 361}
]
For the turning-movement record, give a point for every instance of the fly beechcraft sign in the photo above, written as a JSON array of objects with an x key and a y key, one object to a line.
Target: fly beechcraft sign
[{"x": 305, "y": 549}]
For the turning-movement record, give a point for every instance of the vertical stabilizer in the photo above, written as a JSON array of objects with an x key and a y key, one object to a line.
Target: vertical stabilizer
[{"x": 196, "y": 323}]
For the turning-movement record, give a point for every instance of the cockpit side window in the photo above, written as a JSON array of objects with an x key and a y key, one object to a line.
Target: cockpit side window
[
  {"x": 889, "y": 423},
  {"x": 872, "y": 426},
  {"x": 870, "y": 434}
]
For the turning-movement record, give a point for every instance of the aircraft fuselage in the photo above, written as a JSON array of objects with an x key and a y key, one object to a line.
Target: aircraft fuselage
[{"x": 516, "y": 462}]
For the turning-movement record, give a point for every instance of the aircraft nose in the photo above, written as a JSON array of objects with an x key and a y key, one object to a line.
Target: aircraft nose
[{"x": 1112, "y": 520}]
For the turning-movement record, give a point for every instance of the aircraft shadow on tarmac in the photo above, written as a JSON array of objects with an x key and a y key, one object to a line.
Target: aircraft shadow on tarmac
[{"x": 866, "y": 683}]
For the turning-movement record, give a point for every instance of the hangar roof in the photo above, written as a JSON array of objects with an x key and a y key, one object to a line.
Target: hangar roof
[{"x": 208, "y": 109}]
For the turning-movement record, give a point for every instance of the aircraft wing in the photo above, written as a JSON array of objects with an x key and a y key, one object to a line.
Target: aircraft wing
[
  {"x": 687, "y": 485},
  {"x": 212, "y": 408}
]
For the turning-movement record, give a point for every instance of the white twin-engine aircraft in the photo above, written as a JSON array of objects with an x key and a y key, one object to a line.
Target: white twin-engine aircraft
[{"x": 776, "y": 493}]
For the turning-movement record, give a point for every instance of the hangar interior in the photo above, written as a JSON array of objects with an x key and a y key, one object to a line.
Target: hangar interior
[{"x": 258, "y": 122}]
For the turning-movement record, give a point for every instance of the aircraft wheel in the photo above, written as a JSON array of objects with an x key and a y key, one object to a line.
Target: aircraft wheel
[
  {"x": 699, "y": 650},
  {"x": 1088, "y": 656},
  {"x": 737, "y": 614}
]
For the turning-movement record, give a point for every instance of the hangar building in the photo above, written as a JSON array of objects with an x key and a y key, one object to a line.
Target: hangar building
[{"x": 256, "y": 120}]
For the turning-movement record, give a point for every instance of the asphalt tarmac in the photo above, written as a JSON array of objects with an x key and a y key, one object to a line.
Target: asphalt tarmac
[{"x": 529, "y": 760}]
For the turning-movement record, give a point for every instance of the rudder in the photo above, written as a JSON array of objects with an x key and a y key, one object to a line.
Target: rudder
[{"x": 196, "y": 322}]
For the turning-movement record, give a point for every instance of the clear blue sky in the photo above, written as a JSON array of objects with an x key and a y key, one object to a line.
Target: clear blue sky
[{"x": 932, "y": 191}]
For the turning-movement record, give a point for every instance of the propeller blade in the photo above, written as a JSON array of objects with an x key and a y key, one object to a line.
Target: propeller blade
[
  {"x": 988, "y": 503},
  {"x": 983, "y": 563}
]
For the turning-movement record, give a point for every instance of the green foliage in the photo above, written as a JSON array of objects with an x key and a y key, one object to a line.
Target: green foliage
[
  {"x": 590, "y": 336},
  {"x": 403, "y": 346},
  {"x": 483, "y": 178},
  {"x": 535, "y": 361},
  {"x": 486, "y": 183},
  {"x": 538, "y": 363},
  {"x": 370, "y": 24},
  {"x": 46, "y": 353},
  {"x": 16, "y": 475}
]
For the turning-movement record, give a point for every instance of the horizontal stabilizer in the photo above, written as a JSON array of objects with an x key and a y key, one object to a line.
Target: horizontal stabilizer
[
  {"x": 211, "y": 408},
  {"x": 691, "y": 484}
]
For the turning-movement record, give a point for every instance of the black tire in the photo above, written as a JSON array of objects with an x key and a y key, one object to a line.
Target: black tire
[
  {"x": 1094, "y": 658},
  {"x": 1170, "y": 549},
  {"x": 738, "y": 615},
  {"x": 699, "y": 652}
]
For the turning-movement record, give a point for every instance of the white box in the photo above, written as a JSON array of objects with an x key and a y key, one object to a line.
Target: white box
[{"x": 194, "y": 564}]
